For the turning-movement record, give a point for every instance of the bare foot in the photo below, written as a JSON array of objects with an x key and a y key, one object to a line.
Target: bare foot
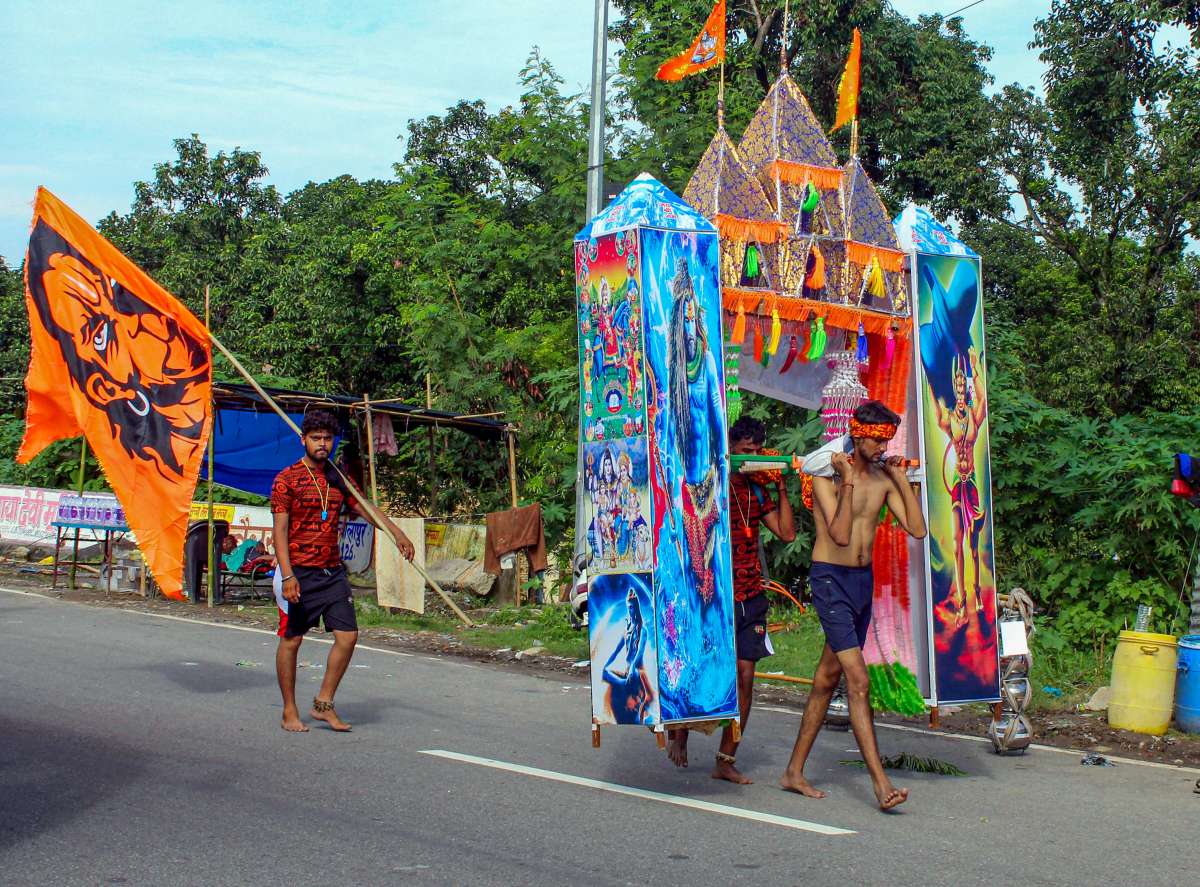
[
  {"x": 324, "y": 711},
  {"x": 889, "y": 796},
  {"x": 800, "y": 786},
  {"x": 677, "y": 750},
  {"x": 730, "y": 773},
  {"x": 292, "y": 723}
]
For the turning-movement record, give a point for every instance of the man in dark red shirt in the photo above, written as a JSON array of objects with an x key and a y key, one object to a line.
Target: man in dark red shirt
[
  {"x": 308, "y": 499},
  {"x": 750, "y": 506}
]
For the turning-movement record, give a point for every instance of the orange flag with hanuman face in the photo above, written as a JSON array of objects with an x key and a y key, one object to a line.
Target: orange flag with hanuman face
[
  {"x": 118, "y": 359},
  {"x": 706, "y": 50},
  {"x": 849, "y": 84}
]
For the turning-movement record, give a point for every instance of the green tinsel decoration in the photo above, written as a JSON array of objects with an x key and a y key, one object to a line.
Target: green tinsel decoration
[
  {"x": 894, "y": 688},
  {"x": 912, "y": 763},
  {"x": 811, "y": 198}
]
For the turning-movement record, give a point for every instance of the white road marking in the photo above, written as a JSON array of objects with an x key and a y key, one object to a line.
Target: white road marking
[
  {"x": 645, "y": 794},
  {"x": 787, "y": 711}
]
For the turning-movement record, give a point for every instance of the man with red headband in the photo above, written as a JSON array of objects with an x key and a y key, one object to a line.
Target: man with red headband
[{"x": 846, "y": 511}]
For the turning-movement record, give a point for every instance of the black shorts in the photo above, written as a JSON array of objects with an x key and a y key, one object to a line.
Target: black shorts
[
  {"x": 750, "y": 628},
  {"x": 842, "y": 597},
  {"x": 325, "y": 596}
]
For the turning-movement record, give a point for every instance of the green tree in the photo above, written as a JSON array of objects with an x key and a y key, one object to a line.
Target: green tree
[
  {"x": 190, "y": 226},
  {"x": 1093, "y": 264},
  {"x": 924, "y": 116}
]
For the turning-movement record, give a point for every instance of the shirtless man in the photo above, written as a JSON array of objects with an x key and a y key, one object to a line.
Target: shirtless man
[
  {"x": 962, "y": 426},
  {"x": 846, "y": 513}
]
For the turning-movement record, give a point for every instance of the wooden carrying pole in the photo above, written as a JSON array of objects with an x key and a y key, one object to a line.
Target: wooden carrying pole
[{"x": 358, "y": 497}]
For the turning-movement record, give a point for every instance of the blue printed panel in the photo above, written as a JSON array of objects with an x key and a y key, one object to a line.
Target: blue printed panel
[
  {"x": 688, "y": 451},
  {"x": 623, "y": 649}
]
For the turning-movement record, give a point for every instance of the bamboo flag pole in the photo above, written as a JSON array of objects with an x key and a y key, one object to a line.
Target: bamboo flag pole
[
  {"x": 783, "y": 40},
  {"x": 212, "y": 433},
  {"x": 83, "y": 448},
  {"x": 358, "y": 497}
]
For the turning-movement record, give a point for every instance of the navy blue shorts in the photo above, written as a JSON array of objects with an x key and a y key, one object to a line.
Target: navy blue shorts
[
  {"x": 325, "y": 597},
  {"x": 750, "y": 628},
  {"x": 842, "y": 597}
]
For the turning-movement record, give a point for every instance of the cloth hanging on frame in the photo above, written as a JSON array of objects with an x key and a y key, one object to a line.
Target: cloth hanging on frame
[
  {"x": 384, "y": 435},
  {"x": 515, "y": 530}
]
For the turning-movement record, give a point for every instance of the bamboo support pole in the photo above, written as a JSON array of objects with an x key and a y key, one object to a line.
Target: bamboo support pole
[
  {"x": 358, "y": 497},
  {"x": 512, "y": 464},
  {"x": 79, "y": 486},
  {"x": 371, "y": 449},
  {"x": 212, "y": 431},
  {"x": 432, "y": 453}
]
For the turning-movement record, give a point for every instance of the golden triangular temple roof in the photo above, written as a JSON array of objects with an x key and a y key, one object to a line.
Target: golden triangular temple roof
[
  {"x": 867, "y": 218},
  {"x": 726, "y": 192},
  {"x": 785, "y": 128}
]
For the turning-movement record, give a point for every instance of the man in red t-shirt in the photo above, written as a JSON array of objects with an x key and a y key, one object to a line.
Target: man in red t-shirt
[
  {"x": 308, "y": 499},
  {"x": 750, "y": 506}
]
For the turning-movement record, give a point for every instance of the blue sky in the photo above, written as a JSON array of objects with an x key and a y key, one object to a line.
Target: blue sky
[{"x": 95, "y": 90}]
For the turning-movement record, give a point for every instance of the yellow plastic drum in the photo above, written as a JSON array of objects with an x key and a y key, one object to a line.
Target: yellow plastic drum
[{"x": 1143, "y": 682}]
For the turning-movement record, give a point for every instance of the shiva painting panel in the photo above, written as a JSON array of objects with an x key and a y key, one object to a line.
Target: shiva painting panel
[{"x": 688, "y": 450}]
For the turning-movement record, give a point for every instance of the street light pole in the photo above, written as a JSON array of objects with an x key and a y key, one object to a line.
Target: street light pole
[
  {"x": 595, "y": 168},
  {"x": 595, "y": 198}
]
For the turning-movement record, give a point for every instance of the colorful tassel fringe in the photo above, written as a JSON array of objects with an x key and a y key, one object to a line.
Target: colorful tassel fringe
[
  {"x": 742, "y": 230},
  {"x": 827, "y": 177},
  {"x": 776, "y": 332},
  {"x": 862, "y": 253},
  {"x": 812, "y": 197},
  {"x": 816, "y": 346},
  {"x": 792, "y": 353},
  {"x": 814, "y": 276},
  {"x": 739, "y": 327},
  {"x": 876, "y": 285}
]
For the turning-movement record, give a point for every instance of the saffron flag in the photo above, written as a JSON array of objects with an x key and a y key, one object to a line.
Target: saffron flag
[
  {"x": 118, "y": 359},
  {"x": 707, "y": 49},
  {"x": 848, "y": 86}
]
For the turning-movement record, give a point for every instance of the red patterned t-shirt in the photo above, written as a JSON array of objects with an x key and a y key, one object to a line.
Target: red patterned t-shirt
[
  {"x": 300, "y": 492},
  {"x": 748, "y": 503}
]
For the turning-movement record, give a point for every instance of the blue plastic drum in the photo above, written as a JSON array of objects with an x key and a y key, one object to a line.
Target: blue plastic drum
[{"x": 1187, "y": 685}]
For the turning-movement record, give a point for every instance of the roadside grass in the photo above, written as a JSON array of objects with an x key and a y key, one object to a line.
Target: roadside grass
[
  {"x": 1075, "y": 673},
  {"x": 796, "y": 637},
  {"x": 517, "y": 628}
]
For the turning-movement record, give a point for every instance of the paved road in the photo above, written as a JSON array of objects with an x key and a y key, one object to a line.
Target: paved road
[{"x": 134, "y": 750}]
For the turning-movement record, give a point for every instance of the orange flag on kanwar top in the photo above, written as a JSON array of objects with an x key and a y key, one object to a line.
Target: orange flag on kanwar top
[
  {"x": 706, "y": 50},
  {"x": 118, "y": 359},
  {"x": 847, "y": 109}
]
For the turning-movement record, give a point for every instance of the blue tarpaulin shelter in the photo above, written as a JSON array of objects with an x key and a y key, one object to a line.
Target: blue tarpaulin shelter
[
  {"x": 252, "y": 443},
  {"x": 250, "y": 448}
]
